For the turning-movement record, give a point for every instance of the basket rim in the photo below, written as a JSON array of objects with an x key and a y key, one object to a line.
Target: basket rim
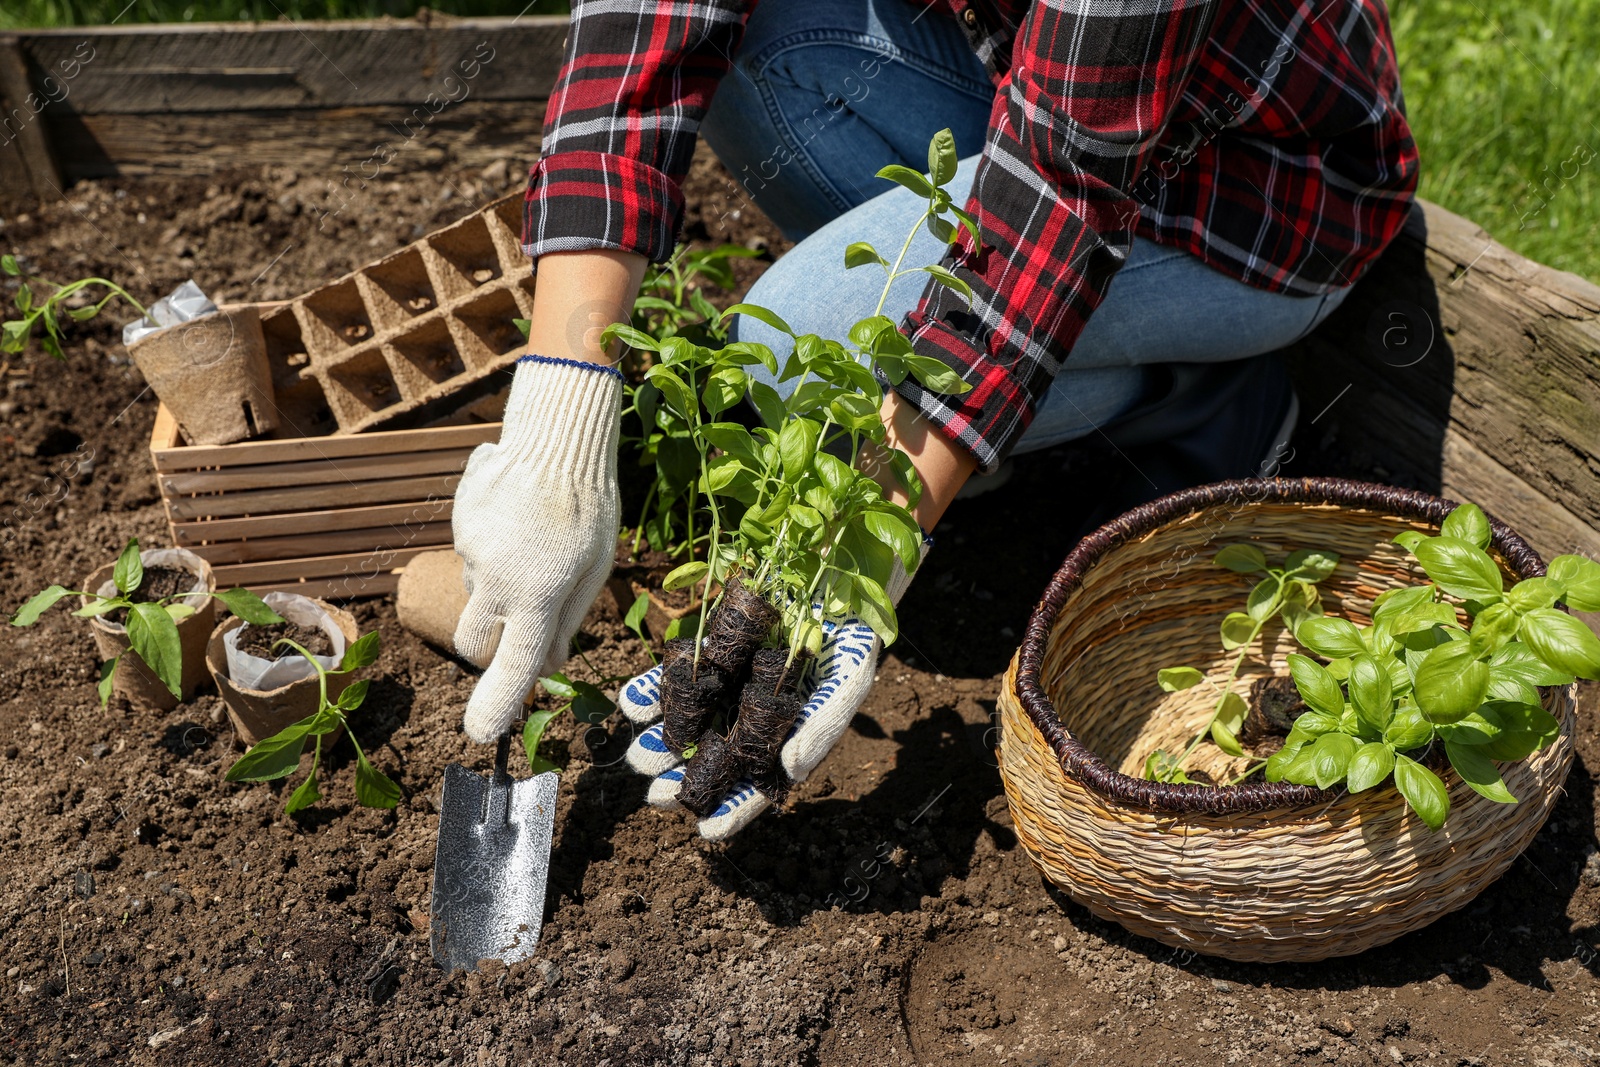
[{"x": 1086, "y": 766}]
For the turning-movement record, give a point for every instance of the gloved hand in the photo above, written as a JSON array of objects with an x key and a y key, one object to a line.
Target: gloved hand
[
  {"x": 837, "y": 680},
  {"x": 536, "y": 524}
]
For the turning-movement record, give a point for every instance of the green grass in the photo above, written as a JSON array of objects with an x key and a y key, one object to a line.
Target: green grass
[
  {"x": 1502, "y": 95},
  {"x": 1504, "y": 100}
]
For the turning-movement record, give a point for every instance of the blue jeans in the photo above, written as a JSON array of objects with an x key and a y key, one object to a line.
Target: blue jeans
[{"x": 825, "y": 92}]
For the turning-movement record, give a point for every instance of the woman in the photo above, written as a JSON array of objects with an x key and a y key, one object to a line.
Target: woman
[{"x": 1167, "y": 191}]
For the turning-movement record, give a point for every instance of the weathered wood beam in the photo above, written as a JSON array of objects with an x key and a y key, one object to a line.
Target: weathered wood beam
[
  {"x": 1461, "y": 367},
  {"x": 22, "y": 124}
]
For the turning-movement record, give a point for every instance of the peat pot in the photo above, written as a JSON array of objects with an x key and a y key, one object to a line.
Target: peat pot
[
  {"x": 258, "y": 713},
  {"x": 135, "y": 681},
  {"x": 1257, "y": 872},
  {"x": 212, "y": 374}
]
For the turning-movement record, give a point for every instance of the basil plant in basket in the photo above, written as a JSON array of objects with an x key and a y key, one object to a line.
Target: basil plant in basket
[{"x": 1448, "y": 668}]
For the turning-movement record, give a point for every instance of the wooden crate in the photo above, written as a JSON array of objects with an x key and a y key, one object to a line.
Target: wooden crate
[{"x": 333, "y": 517}]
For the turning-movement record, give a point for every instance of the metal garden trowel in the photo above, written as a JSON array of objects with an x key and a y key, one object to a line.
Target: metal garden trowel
[{"x": 491, "y": 864}]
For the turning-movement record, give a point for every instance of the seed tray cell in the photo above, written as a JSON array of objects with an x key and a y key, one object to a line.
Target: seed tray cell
[
  {"x": 398, "y": 289},
  {"x": 360, "y": 384},
  {"x": 464, "y": 257},
  {"x": 424, "y": 357},
  {"x": 486, "y": 334}
]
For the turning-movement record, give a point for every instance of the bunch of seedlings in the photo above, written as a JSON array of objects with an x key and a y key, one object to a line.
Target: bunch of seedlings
[
  {"x": 279, "y": 756},
  {"x": 148, "y": 603},
  {"x": 1452, "y": 664},
  {"x": 795, "y": 532},
  {"x": 51, "y": 310}
]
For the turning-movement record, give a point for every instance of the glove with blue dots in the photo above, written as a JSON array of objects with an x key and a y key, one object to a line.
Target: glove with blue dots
[{"x": 836, "y": 682}]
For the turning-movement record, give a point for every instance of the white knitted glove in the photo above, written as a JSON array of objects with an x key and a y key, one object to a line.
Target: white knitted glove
[
  {"x": 536, "y": 525},
  {"x": 838, "y": 680}
]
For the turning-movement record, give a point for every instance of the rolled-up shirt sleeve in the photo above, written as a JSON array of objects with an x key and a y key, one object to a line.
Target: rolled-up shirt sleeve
[{"x": 622, "y": 121}]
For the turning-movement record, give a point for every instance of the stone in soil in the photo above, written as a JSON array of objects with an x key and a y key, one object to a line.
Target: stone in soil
[{"x": 258, "y": 640}]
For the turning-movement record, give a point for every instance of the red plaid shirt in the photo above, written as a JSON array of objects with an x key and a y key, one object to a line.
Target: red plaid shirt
[{"x": 1265, "y": 136}]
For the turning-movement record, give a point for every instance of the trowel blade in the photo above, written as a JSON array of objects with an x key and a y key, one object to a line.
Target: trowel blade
[{"x": 491, "y": 865}]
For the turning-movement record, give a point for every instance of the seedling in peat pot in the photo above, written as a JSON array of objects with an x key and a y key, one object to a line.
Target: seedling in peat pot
[
  {"x": 151, "y": 622},
  {"x": 278, "y": 756},
  {"x": 50, "y": 310}
]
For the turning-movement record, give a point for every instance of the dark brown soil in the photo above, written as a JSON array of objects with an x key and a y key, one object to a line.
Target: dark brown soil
[
  {"x": 258, "y": 640},
  {"x": 151, "y": 913},
  {"x": 158, "y": 584}
]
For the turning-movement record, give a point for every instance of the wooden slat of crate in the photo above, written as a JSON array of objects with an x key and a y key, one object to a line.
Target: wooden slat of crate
[
  {"x": 299, "y": 546},
  {"x": 331, "y": 516},
  {"x": 393, "y": 516}
]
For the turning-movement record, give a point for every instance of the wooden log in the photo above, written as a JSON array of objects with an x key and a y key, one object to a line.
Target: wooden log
[
  {"x": 21, "y": 120},
  {"x": 1459, "y": 367}
]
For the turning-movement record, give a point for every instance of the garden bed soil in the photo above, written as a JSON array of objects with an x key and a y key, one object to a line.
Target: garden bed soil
[
  {"x": 158, "y": 584},
  {"x": 258, "y": 641},
  {"x": 153, "y": 914}
]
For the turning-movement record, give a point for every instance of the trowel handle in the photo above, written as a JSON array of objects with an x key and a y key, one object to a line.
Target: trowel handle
[{"x": 502, "y": 753}]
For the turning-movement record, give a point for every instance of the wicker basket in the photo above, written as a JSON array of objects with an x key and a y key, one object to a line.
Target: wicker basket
[{"x": 1260, "y": 872}]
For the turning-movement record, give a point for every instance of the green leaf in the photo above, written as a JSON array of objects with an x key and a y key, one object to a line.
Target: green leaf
[
  {"x": 108, "y": 672},
  {"x": 1331, "y": 636},
  {"x": 1392, "y": 603},
  {"x": 936, "y": 376},
  {"x": 8, "y": 263},
  {"x": 861, "y": 253},
  {"x": 1531, "y": 593},
  {"x": 1371, "y": 764},
  {"x": 1225, "y": 739},
  {"x": 896, "y": 528},
  {"x": 84, "y": 314},
  {"x": 944, "y": 276},
  {"x": 1174, "y": 679},
  {"x": 374, "y": 789},
  {"x": 1231, "y": 710},
  {"x": 1562, "y": 642},
  {"x": 532, "y": 735},
  {"x": 760, "y": 314},
  {"x": 1517, "y": 660},
  {"x": 179, "y": 612},
  {"x": 274, "y": 757},
  {"x": 591, "y": 705},
  {"x": 725, "y": 387},
  {"x": 1421, "y": 617},
  {"x": 524, "y": 327},
  {"x": 1580, "y": 578},
  {"x": 1237, "y": 630},
  {"x": 14, "y": 334},
  {"x": 1310, "y": 564},
  {"x": 1243, "y": 558},
  {"x": 1473, "y": 728},
  {"x": 1410, "y": 539},
  {"x": 1264, "y": 599},
  {"x": 768, "y": 404},
  {"x": 1317, "y": 687},
  {"x": 969, "y": 224},
  {"x": 905, "y": 472},
  {"x": 631, "y": 337},
  {"x": 1468, "y": 523},
  {"x": 362, "y": 653},
  {"x": 873, "y": 607},
  {"x": 797, "y": 443},
  {"x": 248, "y": 606},
  {"x": 674, "y": 628},
  {"x": 559, "y": 686},
  {"x": 1526, "y": 728},
  {"x": 942, "y": 231},
  {"x": 129, "y": 571},
  {"x": 305, "y": 794},
  {"x": 634, "y": 619},
  {"x": 1330, "y": 758},
  {"x": 685, "y": 576},
  {"x": 1494, "y": 627},
  {"x": 1479, "y": 772},
  {"x": 1279, "y": 762},
  {"x": 41, "y": 602},
  {"x": 154, "y": 638},
  {"x": 353, "y": 696},
  {"x": 1423, "y": 791},
  {"x": 1408, "y": 730},
  {"x": 908, "y": 178},
  {"x": 1451, "y": 682},
  {"x": 749, "y": 354},
  {"x": 942, "y": 157},
  {"x": 673, "y": 390},
  {"x": 24, "y": 298},
  {"x": 1460, "y": 568},
  {"x": 1371, "y": 691}
]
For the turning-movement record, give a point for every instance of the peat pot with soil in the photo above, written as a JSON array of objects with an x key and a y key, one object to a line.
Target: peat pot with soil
[
  {"x": 785, "y": 528},
  {"x": 1290, "y": 719},
  {"x": 151, "y": 612}
]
